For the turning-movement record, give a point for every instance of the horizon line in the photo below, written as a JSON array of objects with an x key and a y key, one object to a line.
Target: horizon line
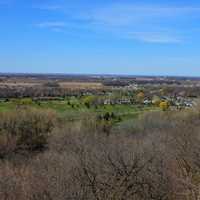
[{"x": 97, "y": 74}]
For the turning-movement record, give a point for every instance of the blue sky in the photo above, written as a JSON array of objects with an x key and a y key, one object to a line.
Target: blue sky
[{"x": 100, "y": 36}]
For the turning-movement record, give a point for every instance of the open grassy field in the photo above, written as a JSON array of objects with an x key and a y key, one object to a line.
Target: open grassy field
[{"x": 75, "y": 108}]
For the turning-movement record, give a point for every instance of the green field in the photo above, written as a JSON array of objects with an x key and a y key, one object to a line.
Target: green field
[{"x": 75, "y": 108}]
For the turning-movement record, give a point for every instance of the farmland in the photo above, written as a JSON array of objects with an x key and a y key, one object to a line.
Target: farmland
[{"x": 99, "y": 137}]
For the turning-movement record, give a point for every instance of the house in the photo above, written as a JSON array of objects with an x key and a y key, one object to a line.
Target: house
[
  {"x": 117, "y": 101},
  {"x": 124, "y": 101},
  {"x": 147, "y": 102},
  {"x": 107, "y": 102},
  {"x": 3, "y": 100}
]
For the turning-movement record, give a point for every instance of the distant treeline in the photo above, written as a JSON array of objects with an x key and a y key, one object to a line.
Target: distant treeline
[
  {"x": 126, "y": 82},
  {"x": 9, "y": 92},
  {"x": 54, "y": 90}
]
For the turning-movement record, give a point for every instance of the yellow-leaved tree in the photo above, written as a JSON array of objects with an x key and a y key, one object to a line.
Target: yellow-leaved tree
[
  {"x": 140, "y": 97},
  {"x": 164, "y": 105},
  {"x": 156, "y": 100}
]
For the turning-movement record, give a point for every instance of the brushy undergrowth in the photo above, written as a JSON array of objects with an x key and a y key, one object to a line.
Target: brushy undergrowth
[
  {"x": 157, "y": 158},
  {"x": 26, "y": 129}
]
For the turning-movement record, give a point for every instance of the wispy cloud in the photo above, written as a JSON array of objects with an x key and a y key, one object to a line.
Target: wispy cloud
[
  {"x": 48, "y": 7},
  {"x": 144, "y": 21},
  {"x": 127, "y": 14},
  {"x": 57, "y": 26},
  {"x": 51, "y": 24},
  {"x": 155, "y": 37}
]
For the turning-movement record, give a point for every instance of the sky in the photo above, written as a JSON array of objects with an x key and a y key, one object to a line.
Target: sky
[{"x": 133, "y": 37}]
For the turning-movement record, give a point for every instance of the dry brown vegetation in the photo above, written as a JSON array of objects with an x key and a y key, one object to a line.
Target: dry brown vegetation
[
  {"x": 24, "y": 130},
  {"x": 18, "y": 88},
  {"x": 81, "y": 85},
  {"x": 66, "y": 84},
  {"x": 158, "y": 159}
]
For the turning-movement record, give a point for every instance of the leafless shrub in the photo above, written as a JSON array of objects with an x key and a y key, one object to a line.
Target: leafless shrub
[
  {"x": 26, "y": 129},
  {"x": 160, "y": 162}
]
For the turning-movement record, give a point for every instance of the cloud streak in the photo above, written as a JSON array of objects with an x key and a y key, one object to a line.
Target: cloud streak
[
  {"x": 54, "y": 24},
  {"x": 145, "y": 22},
  {"x": 48, "y": 7},
  {"x": 127, "y": 14},
  {"x": 155, "y": 37}
]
